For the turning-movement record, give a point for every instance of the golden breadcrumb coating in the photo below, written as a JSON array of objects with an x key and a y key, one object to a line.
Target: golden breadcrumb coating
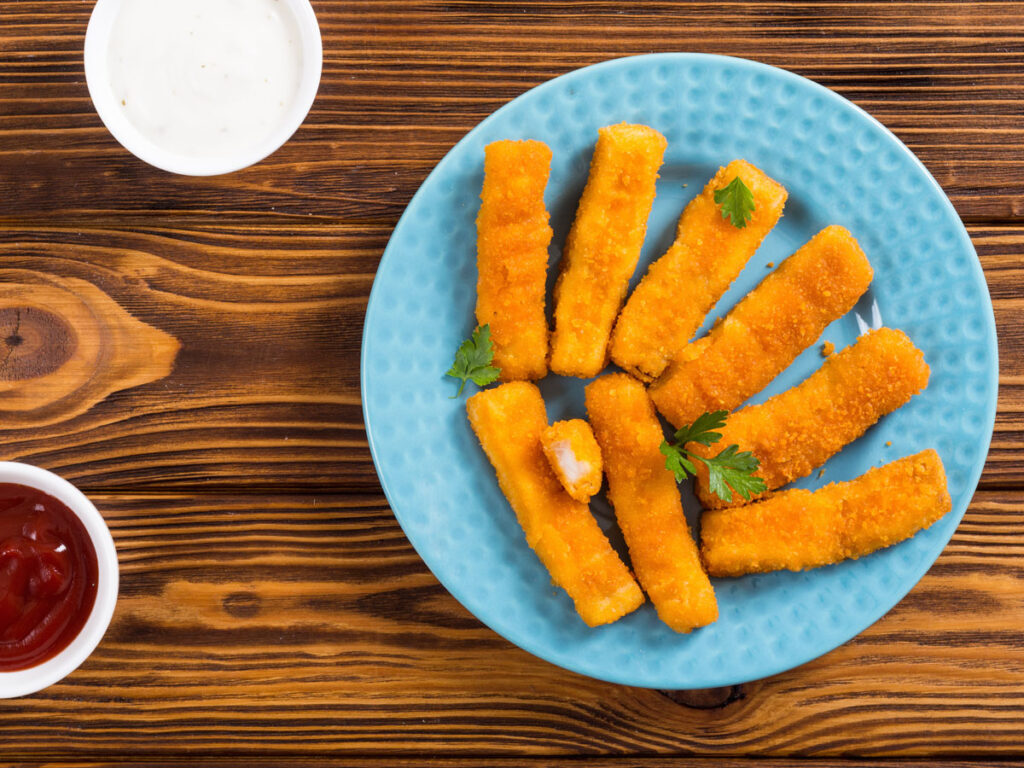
[
  {"x": 799, "y": 429},
  {"x": 508, "y": 421},
  {"x": 647, "y": 503},
  {"x": 681, "y": 287},
  {"x": 573, "y": 454},
  {"x": 765, "y": 332},
  {"x": 800, "y": 529},
  {"x": 513, "y": 235},
  {"x": 603, "y": 246}
]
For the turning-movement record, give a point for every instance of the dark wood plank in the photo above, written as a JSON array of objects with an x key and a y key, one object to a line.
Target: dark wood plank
[
  {"x": 404, "y": 81},
  {"x": 264, "y": 390},
  {"x": 269, "y": 322},
  {"x": 424, "y": 761},
  {"x": 1002, "y": 255},
  {"x": 295, "y": 626}
]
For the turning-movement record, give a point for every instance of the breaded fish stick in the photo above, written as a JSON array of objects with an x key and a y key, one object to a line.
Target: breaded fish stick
[
  {"x": 765, "y": 332},
  {"x": 603, "y": 246},
  {"x": 681, "y": 287},
  {"x": 647, "y": 503},
  {"x": 799, "y": 429},
  {"x": 508, "y": 421},
  {"x": 573, "y": 453},
  {"x": 800, "y": 529},
  {"x": 512, "y": 241}
]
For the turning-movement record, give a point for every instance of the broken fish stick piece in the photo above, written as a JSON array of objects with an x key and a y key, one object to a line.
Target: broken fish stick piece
[
  {"x": 573, "y": 453},
  {"x": 799, "y": 429},
  {"x": 603, "y": 246},
  {"x": 647, "y": 503},
  {"x": 799, "y": 529},
  {"x": 508, "y": 421},
  {"x": 513, "y": 235},
  {"x": 680, "y": 288},
  {"x": 766, "y": 331}
]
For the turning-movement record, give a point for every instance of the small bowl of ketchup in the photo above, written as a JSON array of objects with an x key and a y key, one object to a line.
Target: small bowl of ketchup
[{"x": 58, "y": 579}]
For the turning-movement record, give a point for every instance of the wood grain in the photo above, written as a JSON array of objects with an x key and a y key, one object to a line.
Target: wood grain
[
  {"x": 66, "y": 346},
  {"x": 404, "y": 81},
  {"x": 265, "y": 388},
  {"x": 264, "y": 393},
  {"x": 308, "y": 625},
  {"x": 271, "y": 609},
  {"x": 426, "y": 761}
]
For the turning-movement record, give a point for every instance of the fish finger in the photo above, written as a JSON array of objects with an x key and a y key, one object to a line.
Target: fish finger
[
  {"x": 799, "y": 429},
  {"x": 680, "y": 288},
  {"x": 603, "y": 246},
  {"x": 766, "y": 331},
  {"x": 647, "y": 503},
  {"x": 573, "y": 453},
  {"x": 508, "y": 421},
  {"x": 513, "y": 235},
  {"x": 799, "y": 529}
]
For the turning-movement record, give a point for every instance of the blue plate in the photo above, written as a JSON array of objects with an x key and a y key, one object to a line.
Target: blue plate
[{"x": 840, "y": 166}]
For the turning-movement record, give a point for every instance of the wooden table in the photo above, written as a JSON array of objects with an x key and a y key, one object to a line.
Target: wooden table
[{"x": 187, "y": 352}]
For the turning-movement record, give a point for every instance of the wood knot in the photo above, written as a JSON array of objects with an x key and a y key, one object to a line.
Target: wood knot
[
  {"x": 65, "y": 345},
  {"x": 242, "y": 605},
  {"x": 708, "y": 698},
  {"x": 36, "y": 342}
]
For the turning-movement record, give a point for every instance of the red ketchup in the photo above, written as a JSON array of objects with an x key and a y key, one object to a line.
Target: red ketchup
[{"x": 48, "y": 577}]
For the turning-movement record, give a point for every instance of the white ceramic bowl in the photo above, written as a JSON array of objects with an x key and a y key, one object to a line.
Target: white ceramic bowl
[
  {"x": 26, "y": 681},
  {"x": 97, "y": 44}
]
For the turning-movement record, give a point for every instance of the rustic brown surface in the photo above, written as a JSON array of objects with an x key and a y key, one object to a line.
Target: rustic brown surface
[
  {"x": 271, "y": 606},
  {"x": 308, "y": 625},
  {"x": 528, "y": 762}
]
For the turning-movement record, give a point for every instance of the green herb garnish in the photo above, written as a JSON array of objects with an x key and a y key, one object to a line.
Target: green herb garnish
[
  {"x": 473, "y": 360},
  {"x": 736, "y": 201},
  {"x": 731, "y": 470}
]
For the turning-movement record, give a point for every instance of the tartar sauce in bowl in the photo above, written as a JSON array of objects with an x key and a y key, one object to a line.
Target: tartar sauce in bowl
[{"x": 203, "y": 86}]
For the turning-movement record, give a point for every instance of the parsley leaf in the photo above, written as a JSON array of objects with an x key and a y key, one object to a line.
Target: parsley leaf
[
  {"x": 731, "y": 470},
  {"x": 736, "y": 201},
  {"x": 676, "y": 461},
  {"x": 701, "y": 430},
  {"x": 473, "y": 360}
]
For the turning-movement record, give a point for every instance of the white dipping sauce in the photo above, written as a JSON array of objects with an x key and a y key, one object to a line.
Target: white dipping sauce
[{"x": 205, "y": 78}]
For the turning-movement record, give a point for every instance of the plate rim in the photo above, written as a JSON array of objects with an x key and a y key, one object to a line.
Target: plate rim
[{"x": 676, "y": 58}]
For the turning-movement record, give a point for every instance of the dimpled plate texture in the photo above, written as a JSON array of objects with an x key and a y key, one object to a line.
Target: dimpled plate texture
[{"x": 840, "y": 166}]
